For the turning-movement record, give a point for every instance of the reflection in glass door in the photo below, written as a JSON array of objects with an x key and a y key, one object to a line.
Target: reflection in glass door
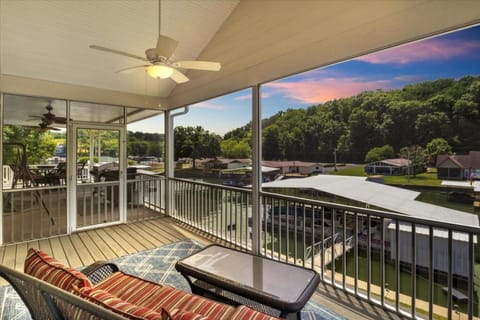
[{"x": 98, "y": 171}]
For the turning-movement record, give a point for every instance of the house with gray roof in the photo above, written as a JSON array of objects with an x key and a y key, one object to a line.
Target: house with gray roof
[{"x": 390, "y": 167}]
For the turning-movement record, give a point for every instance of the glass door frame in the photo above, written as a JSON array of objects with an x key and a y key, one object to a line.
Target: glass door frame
[{"x": 72, "y": 172}]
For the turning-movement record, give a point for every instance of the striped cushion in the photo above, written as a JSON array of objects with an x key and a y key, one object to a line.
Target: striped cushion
[
  {"x": 177, "y": 314},
  {"x": 157, "y": 297},
  {"x": 109, "y": 301},
  {"x": 45, "y": 267},
  {"x": 139, "y": 291},
  {"x": 208, "y": 307},
  {"x": 245, "y": 313}
]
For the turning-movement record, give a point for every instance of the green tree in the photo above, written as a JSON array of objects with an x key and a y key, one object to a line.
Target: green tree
[
  {"x": 380, "y": 153},
  {"x": 145, "y": 143},
  {"x": 435, "y": 147},
  {"x": 155, "y": 149},
  {"x": 271, "y": 143},
  {"x": 195, "y": 143},
  {"x": 40, "y": 145},
  {"x": 431, "y": 125},
  {"x": 234, "y": 148},
  {"x": 416, "y": 154}
]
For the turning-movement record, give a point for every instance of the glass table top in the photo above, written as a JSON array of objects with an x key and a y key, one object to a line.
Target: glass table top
[{"x": 279, "y": 280}]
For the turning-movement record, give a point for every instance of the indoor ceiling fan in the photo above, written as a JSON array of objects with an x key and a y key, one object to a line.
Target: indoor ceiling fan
[
  {"x": 160, "y": 59},
  {"x": 49, "y": 118}
]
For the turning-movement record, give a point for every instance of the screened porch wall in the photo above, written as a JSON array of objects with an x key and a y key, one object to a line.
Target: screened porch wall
[{"x": 36, "y": 194}]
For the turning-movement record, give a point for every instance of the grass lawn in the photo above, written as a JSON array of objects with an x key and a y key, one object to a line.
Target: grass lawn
[
  {"x": 422, "y": 179},
  {"x": 353, "y": 171}
]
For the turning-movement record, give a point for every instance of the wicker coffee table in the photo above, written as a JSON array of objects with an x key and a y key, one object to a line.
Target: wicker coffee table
[{"x": 238, "y": 277}]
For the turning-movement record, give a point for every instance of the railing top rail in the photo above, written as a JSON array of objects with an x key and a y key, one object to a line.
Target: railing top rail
[
  {"x": 34, "y": 188},
  {"x": 365, "y": 211},
  {"x": 206, "y": 184},
  {"x": 150, "y": 174},
  {"x": 98, "y": 183},
  {"x": 146, "y": 178}
]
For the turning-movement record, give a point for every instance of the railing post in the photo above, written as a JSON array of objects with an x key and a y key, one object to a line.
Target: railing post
[
  {"x": 256, "y": 169},
  {"x": 1, "y": 163},
  {"x": 169, "y": 165}
]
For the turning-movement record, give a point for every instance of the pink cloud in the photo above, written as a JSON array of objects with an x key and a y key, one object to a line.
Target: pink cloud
[
  {"x": 434, "y": 49},
  {"x": 209, "y": 105},
  {"x": 322, "y": 90}
]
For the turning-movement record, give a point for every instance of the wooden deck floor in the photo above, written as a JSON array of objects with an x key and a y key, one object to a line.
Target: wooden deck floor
[{"x": 85, "y": 247}]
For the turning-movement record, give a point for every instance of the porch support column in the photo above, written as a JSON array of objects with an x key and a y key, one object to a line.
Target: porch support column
[
  {"x": 169, "y": 161},
  {"x": 1, "y": 163},
  {"x": 256, "y": 170}
]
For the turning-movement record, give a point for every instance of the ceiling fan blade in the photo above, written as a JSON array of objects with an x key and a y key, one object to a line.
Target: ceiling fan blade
[
  {"x": 130, "y": 68},
  {"x": 122, "y": 53},
  {"x": 60, "y": 120},
  {"x": 178, "y": 77},
  {"x": 198, "y": 65},
  {"x": 166, "y": 46}
]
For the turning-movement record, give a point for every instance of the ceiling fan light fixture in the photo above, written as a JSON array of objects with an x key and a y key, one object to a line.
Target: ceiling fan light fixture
[{"x": 159, "y": 71}]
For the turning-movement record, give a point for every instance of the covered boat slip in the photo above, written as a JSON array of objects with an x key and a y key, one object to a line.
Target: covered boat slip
[
  {"x": 401, "y": 201},
  {"x": 376, "y": 194}
]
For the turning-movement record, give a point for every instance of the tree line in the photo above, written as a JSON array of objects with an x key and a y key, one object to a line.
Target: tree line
[
  {"x": 411, "y": 117},
  {"x": 144, "y": 143}
]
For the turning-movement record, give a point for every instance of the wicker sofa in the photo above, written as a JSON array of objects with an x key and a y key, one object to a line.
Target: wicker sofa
[{"x": 51, "y": 290}]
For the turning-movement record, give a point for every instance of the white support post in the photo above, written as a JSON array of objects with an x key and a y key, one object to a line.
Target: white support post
[
  {"x": 256, "y": 170},
  {"x": 1, "y": 165},
  {"x": 168, "y": 157}
]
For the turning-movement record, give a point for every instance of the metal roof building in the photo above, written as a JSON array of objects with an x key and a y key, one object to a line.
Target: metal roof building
[{"x": 380, "y": 195}]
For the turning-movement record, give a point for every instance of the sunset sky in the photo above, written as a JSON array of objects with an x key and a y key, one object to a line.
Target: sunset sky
[{"x": 452, "y": 55}]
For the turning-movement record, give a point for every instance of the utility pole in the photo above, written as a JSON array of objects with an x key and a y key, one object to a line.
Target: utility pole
[
  {"x": 335, "y": 159},
  {"x": 408, "y": 164}
]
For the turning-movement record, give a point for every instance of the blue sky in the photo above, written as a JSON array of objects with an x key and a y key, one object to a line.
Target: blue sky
[{"x": 451, "y": 55}]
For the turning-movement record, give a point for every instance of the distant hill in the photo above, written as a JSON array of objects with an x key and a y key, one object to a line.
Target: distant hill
[{"x": 413, "y": 115}]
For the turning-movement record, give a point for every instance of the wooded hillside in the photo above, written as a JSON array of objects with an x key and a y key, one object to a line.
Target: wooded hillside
[{"x": 413, "y": 115}]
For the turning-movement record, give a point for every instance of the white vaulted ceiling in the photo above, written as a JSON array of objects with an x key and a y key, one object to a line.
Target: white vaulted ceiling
[
  {"x": 49, "y": 39},
  {"x": 44, "y": 44}
]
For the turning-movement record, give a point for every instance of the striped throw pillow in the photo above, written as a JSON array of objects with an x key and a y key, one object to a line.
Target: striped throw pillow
[{"x": 45, "y": 267}]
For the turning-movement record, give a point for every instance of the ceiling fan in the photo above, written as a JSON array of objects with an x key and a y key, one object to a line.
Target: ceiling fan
[
  {"x": 160, "y": 59},
  {"x": 43, "y": 126},
  {"x": 49, "y": 118}
]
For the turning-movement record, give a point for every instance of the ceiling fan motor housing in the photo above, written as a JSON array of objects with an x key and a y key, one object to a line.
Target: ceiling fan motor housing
[{"x": 153, "y": 55}]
